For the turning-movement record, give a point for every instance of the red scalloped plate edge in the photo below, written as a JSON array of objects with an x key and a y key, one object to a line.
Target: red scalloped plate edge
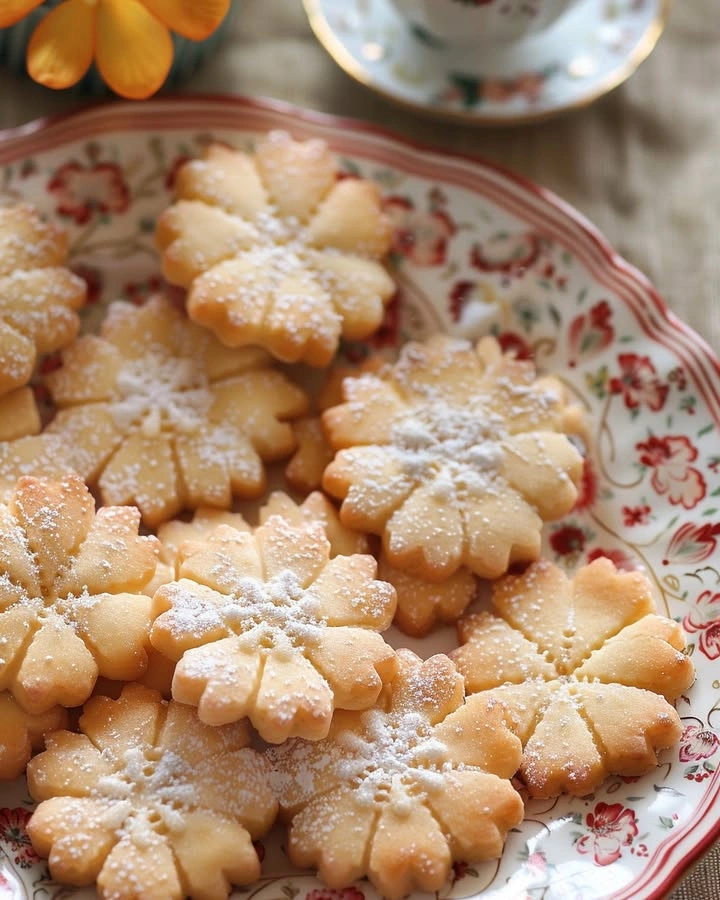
[{"x": 510, "y": 190}]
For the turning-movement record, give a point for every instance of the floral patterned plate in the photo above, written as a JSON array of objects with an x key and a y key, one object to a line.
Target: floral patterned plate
[
  {"x": 475, "y": 249},
  {"x": 588, "y": 52}
]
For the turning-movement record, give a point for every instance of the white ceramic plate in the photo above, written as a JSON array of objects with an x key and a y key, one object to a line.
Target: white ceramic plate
[{"x": 476, "y": 248}]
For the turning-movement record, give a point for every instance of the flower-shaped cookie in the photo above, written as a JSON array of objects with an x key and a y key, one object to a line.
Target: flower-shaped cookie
[
  {"x": 149, "y": 802},
  {"x": 456, "y": 455},
  {"x": 68, "y": 577},
  {"x": 399, "y": 791},
  {"x": 276, "y": 251},
  {"x": 266, "y": 625},
  {"x": 159, "y": 414},
  {"x": 39, "y": 298},
  {"x": 22, "y": 732},
  {"x": 586, "y": 669}
]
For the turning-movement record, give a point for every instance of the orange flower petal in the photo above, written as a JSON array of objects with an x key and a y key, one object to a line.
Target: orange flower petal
[
  {"x": 194, "y": 19},
  {"x": 134, "y": 50},
  {"x": 61, "y": 48},
  {"x": 11, "y": 11}
]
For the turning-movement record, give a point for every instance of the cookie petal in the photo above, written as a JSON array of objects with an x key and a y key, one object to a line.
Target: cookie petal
[
  {"x": 57, "y": 668},
  {"x": 221, "y": 679},
  {"x": 76, "y": 835},
  {"x": 332, "y": 833},
  {"x": 356, "y": 664},
  {"x": 293, "y": 700},
  {"x": 212, "y": 854},
  {"x": 476, "y": 811},
  {"x": 148, "y": 856},
  {"x": 409, "y": 850}
]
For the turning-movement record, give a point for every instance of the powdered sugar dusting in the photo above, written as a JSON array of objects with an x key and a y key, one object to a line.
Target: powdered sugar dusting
[
  {"x": 277, "y": 614},
  {"x": 391, "y": 756},
  {"x": 154, "y": 788},
  {"x": 158, "y": 392},
  {"x": 446, "y": 445},
  {"x": 383, "y": 757}
]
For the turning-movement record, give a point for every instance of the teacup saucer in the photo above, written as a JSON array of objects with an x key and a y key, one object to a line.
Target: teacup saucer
[{"x": 589, "y": 51}]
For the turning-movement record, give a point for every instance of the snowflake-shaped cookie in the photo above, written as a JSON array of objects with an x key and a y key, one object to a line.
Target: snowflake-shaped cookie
[
  {"x": 396, "y": 793},
  {"x": 39, "y": 297},
  {"x": 22, "y": 733},
  {"x": 160, "y": 415},
  {"x": 68, "y": 577},
  {"x": 585, "y": 667},
  {"x": 149, "y": 802},
  {"x": 266, "y": 625},
  {"x": 455, "y": 455},
  {"x": 276, "y": 251}
]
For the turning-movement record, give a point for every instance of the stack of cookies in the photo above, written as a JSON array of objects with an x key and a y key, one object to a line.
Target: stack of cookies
[{"x": 192, "y": 675}]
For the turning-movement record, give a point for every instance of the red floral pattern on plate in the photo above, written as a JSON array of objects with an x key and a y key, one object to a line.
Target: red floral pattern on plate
[
  {"x": 619, "y": 557},
  {"x": 81, "y": 191},
  {"x": 14, "y": 836},
  {"x": 697, "y": 743},
  {"x": 612, "y": 827},
  {"x": 692, "y": 543},
  {"x": 669, "y": 458},
  {"x": 510, "y": 254},
  {"x": 512, "y": 342},
  {"x": 636, "y": 515},
  {"x": 638, "y": 383},
  {"x": 568, "y": 540},
  {"x": 704, "y": 619},
  {"x": 588, "y": 488},
  {"x": 348, "y": 893},
  {"x": 420, "y": 237},
  {"x": 590, "y": 333}
]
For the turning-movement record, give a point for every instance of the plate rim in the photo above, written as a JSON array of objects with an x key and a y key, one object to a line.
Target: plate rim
[{"x": 13, "y": 139}]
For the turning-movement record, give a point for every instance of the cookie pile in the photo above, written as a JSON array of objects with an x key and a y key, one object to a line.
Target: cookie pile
[{"x": 194, "y": 676}]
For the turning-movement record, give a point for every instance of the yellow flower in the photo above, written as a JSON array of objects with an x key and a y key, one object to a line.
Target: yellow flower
[{"x": 128, "y": 39}]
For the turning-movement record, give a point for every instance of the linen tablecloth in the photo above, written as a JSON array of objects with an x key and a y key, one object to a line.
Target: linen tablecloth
[{"x": 643, "y": 163}]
